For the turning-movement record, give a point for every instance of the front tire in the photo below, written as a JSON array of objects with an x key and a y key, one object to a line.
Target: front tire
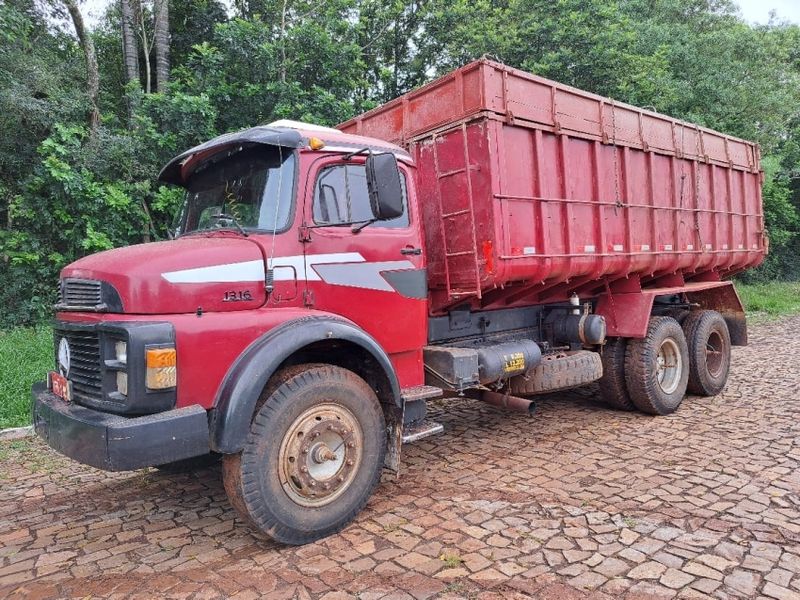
[
  {"x": 313, "y": 455},
  {"x": 657, "y": 367}
]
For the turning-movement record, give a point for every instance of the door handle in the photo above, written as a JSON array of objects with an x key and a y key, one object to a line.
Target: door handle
[{"x": 414, "y": 251}]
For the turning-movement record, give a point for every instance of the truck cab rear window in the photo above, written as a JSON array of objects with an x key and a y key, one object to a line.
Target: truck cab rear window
[
  {"x": 253, "y": 187},
  {"x": 341, "y": 196}
]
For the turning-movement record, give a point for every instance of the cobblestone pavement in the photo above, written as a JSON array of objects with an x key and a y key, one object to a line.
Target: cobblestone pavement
[{"x": 577, "y": 501}]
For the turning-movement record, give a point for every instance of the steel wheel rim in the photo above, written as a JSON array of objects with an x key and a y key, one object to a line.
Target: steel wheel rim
[
  {"x": 320, "y": 454},
  {"x": 714, "y": 354},
  {"x": 669, "y": 366}
]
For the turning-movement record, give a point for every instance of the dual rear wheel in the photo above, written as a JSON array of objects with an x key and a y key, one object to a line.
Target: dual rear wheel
[{"x": 653, "y": 374}]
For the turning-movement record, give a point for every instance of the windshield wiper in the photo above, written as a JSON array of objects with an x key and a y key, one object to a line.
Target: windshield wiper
[
  {"x": 357, "y": 227},
  {"x": 233, "y": 220}
]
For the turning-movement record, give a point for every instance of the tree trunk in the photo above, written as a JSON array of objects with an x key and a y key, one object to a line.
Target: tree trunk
[
  {"x": 92, "y": 72},
  {"x": 147, "y": 45},
  {"x": 283, "y": 41},
  {"x": 130, "y": 50},
  {"x": 161, "y": 37}
]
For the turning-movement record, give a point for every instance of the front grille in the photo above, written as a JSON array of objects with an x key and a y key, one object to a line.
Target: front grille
[
  {"x": 84, "y": 370},
  {"x": 80, "y": 293}
]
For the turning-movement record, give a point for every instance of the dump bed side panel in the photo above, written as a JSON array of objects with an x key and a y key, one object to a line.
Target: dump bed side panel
[
  {"x": 532, "y": 190},
  {"x": 485, "y": 85}
]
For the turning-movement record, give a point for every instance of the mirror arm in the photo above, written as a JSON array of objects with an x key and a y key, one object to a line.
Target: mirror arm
[{"x": 356, "y": 153}]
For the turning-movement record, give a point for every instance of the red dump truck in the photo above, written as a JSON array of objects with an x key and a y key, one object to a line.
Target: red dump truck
[{"x": 492, "y": 235}]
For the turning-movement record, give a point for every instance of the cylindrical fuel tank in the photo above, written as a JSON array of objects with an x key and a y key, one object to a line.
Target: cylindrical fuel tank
[{"x": 500, "y": 361}]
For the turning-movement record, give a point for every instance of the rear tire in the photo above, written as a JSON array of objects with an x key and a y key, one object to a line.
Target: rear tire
[
  {"x": 657, "y": 367},
  {"x": 313, "y": 456},
  {"x": 613, "y": 389},
  {"x": 709, "y": 343}
]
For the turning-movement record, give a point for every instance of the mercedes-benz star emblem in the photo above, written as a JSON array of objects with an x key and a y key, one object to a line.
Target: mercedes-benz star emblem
[{"x": 63, "y": 356}]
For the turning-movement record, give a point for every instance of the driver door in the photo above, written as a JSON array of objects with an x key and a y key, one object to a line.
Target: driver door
[{"x": 375, "y": 277}]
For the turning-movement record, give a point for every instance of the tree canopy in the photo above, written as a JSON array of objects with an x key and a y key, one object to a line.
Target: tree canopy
[{"x": 172, "y": 74}]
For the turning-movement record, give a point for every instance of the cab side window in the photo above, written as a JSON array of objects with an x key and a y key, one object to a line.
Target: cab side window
[{"x": 340, "y": 196}]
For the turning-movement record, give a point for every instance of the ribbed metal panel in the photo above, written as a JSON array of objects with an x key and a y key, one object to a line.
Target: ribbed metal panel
[{"x": 82, "y": 293}]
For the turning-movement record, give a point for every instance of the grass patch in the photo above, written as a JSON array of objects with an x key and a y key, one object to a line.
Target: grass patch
[
  {"x": 25, "y": 357},
  {"x": 451, "y": 560},
  {"x": 770, "y": 299}
]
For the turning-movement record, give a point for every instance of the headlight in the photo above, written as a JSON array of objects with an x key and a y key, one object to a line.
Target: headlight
[
  {"x": 122, "y": 382},
  {"x": 162, "y": 370},
  {"x": 121, "y": 351}
]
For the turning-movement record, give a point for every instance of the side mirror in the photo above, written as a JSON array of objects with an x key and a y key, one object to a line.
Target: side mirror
[{"x": 384, "y": 187}]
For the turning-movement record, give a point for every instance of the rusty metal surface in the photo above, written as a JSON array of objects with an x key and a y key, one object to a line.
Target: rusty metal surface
[{"x": 506, "y": 401}]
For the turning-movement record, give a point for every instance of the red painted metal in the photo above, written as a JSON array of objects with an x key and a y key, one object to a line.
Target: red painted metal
[{"x": 531, "y": 190}]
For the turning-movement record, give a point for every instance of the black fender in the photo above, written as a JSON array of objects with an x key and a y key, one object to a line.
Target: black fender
[{"x": 235, "y": 403}]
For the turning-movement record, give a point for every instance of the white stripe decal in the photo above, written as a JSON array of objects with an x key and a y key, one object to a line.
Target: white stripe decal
[
  {"x": 252, "y": 270},
  {"x": 309, "y": 271},
  {"x": 345, "y": 268},
  {"x": 366, "y": 275},
  {"x": 286, "y": 268}
]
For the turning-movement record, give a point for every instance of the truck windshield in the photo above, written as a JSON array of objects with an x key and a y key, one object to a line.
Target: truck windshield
[{"x": 251, "y": 188}]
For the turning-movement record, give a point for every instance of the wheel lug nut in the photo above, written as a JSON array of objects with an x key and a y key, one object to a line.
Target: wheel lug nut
[
  {"x": 351, "y": 444},
  {"x": 304, "y": 469},
  {"x": 349, "y": 463}
]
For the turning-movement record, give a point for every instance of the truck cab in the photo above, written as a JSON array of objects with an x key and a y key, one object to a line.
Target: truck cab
[{"x": 296, "y": 245}]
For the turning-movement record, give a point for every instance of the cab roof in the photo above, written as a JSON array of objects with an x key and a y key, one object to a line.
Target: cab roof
[{"x": 284, "y": 133}]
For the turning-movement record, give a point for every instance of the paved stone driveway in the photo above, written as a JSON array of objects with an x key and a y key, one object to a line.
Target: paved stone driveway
[{"x": 578, "y": 501}]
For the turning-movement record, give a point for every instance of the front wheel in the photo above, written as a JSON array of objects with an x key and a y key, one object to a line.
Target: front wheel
[
  {"x": 657, "y": 367},
  {"x": 312, "y": 458}
]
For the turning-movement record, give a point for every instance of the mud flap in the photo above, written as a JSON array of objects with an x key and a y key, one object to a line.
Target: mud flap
[{"x": 394, "y": 426}]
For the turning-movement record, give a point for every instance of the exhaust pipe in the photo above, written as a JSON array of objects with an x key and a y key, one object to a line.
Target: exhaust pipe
[{"x": 506, "y": 401}]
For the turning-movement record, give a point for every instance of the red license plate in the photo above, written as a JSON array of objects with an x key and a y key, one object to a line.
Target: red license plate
[{"x": 60, "y": 386}]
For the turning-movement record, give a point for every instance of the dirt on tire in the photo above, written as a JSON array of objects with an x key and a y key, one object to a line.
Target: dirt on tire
[
  {"x": 613, "y": 389},
  {"x": 641, "y": 377}
]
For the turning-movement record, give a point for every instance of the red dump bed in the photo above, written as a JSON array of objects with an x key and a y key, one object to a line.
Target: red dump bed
[{"x": 532, "y": 189}]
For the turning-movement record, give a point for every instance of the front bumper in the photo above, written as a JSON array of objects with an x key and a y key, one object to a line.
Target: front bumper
[{"x": 117, "y": 443}]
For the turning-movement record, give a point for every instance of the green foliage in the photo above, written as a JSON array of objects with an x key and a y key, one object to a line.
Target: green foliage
[
  {"x": 26, "y": 355},
  {"x": 253, "y": 74}
]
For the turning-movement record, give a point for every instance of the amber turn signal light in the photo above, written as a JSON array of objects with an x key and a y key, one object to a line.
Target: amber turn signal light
[{"x": 162, "y": 370}]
